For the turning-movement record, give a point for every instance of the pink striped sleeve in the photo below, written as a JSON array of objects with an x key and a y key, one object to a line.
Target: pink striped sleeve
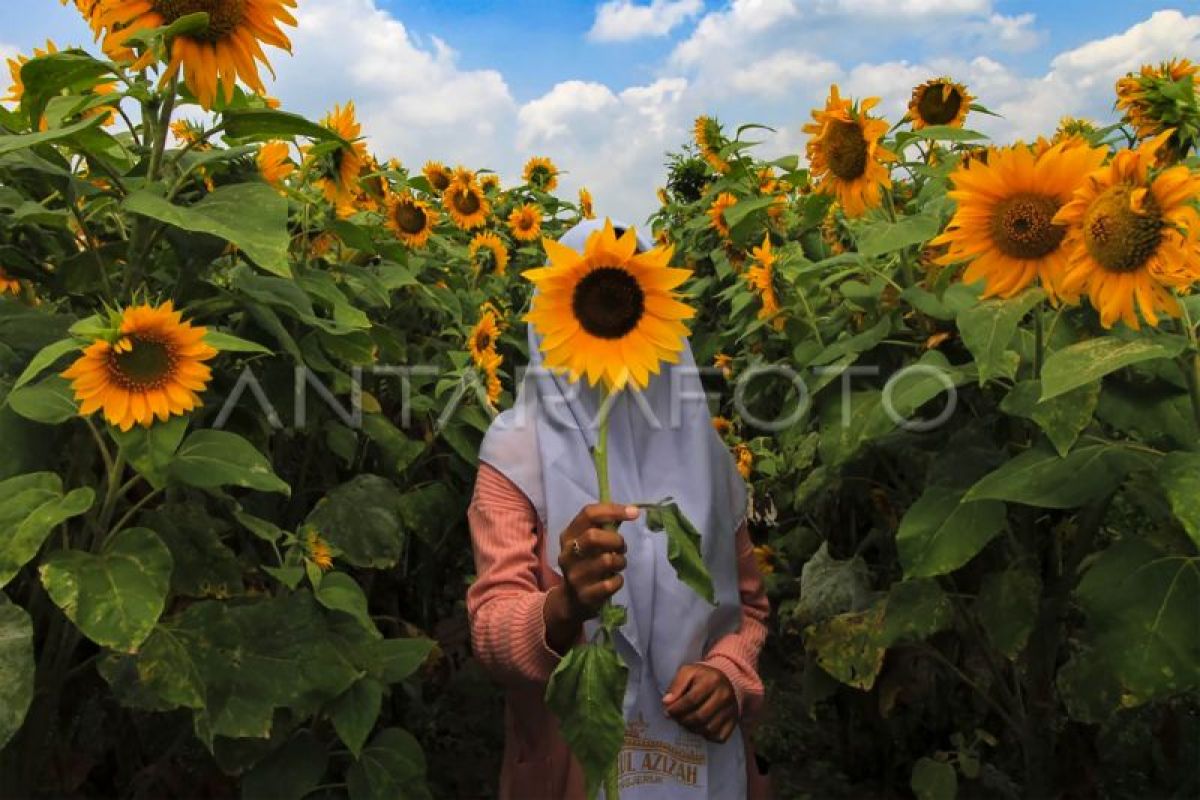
[
  {"x": 505, "y": 602},
  {"x": 736, "y": 654}
]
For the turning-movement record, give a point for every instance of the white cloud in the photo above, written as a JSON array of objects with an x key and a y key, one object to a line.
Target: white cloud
[
  {"x": 623, "y": 20},
  {"x": 780, "y": 73}
]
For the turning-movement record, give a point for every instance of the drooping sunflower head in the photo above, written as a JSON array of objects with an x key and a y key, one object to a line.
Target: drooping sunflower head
[
  {"x": 525, "y": 222},
  {"x": 706, "y": 132},
  {"x": 585, "y": 204},
  {"x": 1005, "y": 221},
  {"x": 716, "y": 213},
  {"x": 338, "y": 171},
  {"x": 761, "y": 278},
  {"x": 541, "y": 174},
  {"x": 1162, "y": 99},
  {"x": 939, "y": 101},
  {"x": 744, "y": 457},
  {"x": 610, "y": 312},
  {"x": 1074, "y": 128},
  {"x": 154, "y": 367},
  {"x": 845, "y": 154},
  {"x": 466, "y": 203},
  {"x": 412, "y": 220},
  {"x": 722, "y": 426},
  {"x": 438, "y": 175},
  {"x": 481, "y": 342},
  {"x": 493, "y": 245},
  {"x": 214, "y": 59},
  {"x": 724, "y": 362},
  {"x": 17, "y": 90},
  {"x": 1132, "y": 236}
]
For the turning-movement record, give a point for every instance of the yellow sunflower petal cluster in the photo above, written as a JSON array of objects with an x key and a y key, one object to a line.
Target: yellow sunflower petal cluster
[
  {"x": 490, "y": 182},
  {"x": 761, "y": 278},
  {"x": 487, "y": 241},
  {"x": 338, "y": 172},
  {"x": 1139, "y": 99},
  {"x": 541, "y": 174},
  {"x": 845, "y": 155},
  {"x": 17, "y": 90},
  {"x": 610, "y": 312},
  {"x": 412, "y": 220},
  {"x": 274, "y": 164},
  {"x": 317, "y": 551},
  {"x": 722, "y": 426},
  {"x": 1133, "y": 236},
  {"x": 724, "y": 362},
  {"x": 706, "y": 132},
  {"x": 939, "y": 101},
  {"x": 465, "y": 201},
  {"x": 744, "y": 458},
  {"x": 9, "y": 284},
  {"x": 764, "y": 558},
  {"x": 213, "y": 60},
  {"x": 716, "y": 213},
  {"x": 154, "y": 369},
  {"x": 525, "y": 222},
  {"x": 438, "y": 175},
  {"x": 1004, "y": 224},
  {"x": 585, "y": 204},
  {"x": 481, "y": 343}
]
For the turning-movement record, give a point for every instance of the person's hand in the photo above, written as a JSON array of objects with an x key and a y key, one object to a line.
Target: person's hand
[
  {"x": 702, "y": 700},
  {"x": 592, "y": 557}
]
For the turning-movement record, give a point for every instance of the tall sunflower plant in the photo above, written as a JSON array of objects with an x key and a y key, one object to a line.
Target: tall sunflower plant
[
  {"x": 225, "y": 513},
  {"x": 612, "y": 317},
  {"x": 983, "y": 500}
]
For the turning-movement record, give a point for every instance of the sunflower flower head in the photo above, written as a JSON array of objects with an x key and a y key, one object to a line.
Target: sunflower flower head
[
  {"x": 490, "y": 182},
  {"x": 716, "y": 213},
  {"x": 585, "y": 204},
  {"x": 274, "y": 164},
  {"x": 744, "y": 458},
  {"x": 318, "y": 551},
  {"x": 438, "y": 175},
  {"x": 722, "y": 426},
  {"x": 764, "y": 557},
  {"x": 706, "y": 133},
  {"x": 151, "y": 367},
  {"x": 1004, "y": 225},
  {"x": 481, "y": 341},
  {"x": 1131, "y": 236},
  {"x": 1159, "y": 99},
  {"x": 609, "y": 313},
  {"x": 466, "y": 203},
  {"x": 845, "y": 155},
  {"x": 213, "y": 60},
  {"x": 525, "y": 222},
  {"x": 491, "y": 244},
  {"x": 761, "y": 278},
  {"x": 939, "y": 101},
  {"x": 338, "y": 172},
  {"x": 412, "y": 220},
  {"x": 9, "y": 284},
  {"x": 541, "y": 174},
  {"x": 724, "y": 362}
]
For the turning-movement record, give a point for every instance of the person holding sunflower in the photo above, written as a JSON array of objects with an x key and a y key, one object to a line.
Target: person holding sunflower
[{"x": 548, "y": 555}]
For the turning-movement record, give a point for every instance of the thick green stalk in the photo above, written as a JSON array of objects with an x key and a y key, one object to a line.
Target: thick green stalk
[{"x": 1191, "y": 371}]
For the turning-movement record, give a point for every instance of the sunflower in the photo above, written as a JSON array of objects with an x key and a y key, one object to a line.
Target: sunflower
[
  {"x": 762, "y": 278},
  {"x": 9, "y": 284},
  {"x": 317, "y": 551},
  {"x": 482, "y": 340},
  {"x": 745, "y": 460},
  {"x": 716, "y": 212},
  {"x": 663, "y": 197},
  {"x": 339, "y": 171},
  {"x": 1074, "y": 127},
  {"x": 17, "y": 90},
  {"x": 1131, "y": 238},
  {"x": 1004, "y": 224},
  {"x": 1135, "y": 93},
  {"x": 724, "y": 362},
  {"x": 525, "y": 222},
  {"x": 609, "y": 312},
  {"x": 465, "y": 201},
  {"x": 541, "y": 174},
  {"x": 707, "y": 133},
  {"x": 585, "y": 204},
  {"x": 490, "y": 182},
  {"x": 438, "y": 175},
  {"x": 154, "y": 368},
  {"x": 274, "y": 164},
  {"x": 412, "y": 220},
  {"x": 214, "y": 59},
  {"x": 764, "y": 557},
  {"x": 845, "y": 154},
  {"x": 939, "y": 101},
  {"x": 490, "y": 365},
  {"x": 722, "y": 426},
  {"x": 486, "y": 240}
]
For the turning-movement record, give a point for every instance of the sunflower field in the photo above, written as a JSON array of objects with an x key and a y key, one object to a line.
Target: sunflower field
[{"x": 246, "y": 365}]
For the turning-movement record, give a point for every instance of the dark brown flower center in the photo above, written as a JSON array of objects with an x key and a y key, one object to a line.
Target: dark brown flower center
[
  {"x": 410, "y": 218},
  {"x": 846, "y": 150},
  {"x": 466, "y": 200},
  {"x": 1117, "y": 237},
  {"x": 608, "y": 302},
  {"x": 138, "y": 363},
  {"x": 439, "y": 179},
  {"x": 937, "y": 106},
  {"x": 483, "y": 340},
  {"x": 224, "y": 16},
  {"x": 1022, "y": 227},
  {"x": 540, "y": 175}
]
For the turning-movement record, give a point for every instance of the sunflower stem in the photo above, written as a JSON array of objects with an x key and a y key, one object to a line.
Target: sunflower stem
[
  {"x": 1039, "y": 342},
  {"x": 1191, "y": 372}
]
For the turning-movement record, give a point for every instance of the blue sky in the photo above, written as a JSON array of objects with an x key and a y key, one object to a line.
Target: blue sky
[{"x": 604, "y": 88}]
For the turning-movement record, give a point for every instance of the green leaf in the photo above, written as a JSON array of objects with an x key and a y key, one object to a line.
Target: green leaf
[
  {"x": 398, "y": 451},
  {"x": 44, "y": 358},
  {"x": 1061, "y": 418},
  {"x": 117, "y": 595},
  {"x": 830, "y": 586},
  {"x": 29, "y": 514},
  {"x": 355, "y": 712},
  {"x": 203, "y": 565},
  {"x": 267, "y": 123},
  {"x": 939, "y": 532},
  {"x": 288, "y": 773},
  {"x": 946, "y": 133},
  {"x": 49, "y": 402},
  {"x": 396, "y": 660},
  {"x": 882, "y": 237},
  {"x": 1091, "y": 360},
  {"x": 1040, "y": 477},
  {"x": 392, "y": 766},
  {"x": 683, "y": 547},
  {"x": 361, "y": 518},
  {"x": 934, "y": 780},
  {"x": 586, "y": 693},
  {"x": 209, "y": 458},
  {"x": 150, "y": 450},
  {"x": 54, "y": 74},
  {"x": 17, "y": 667},
  {"x": 250, "y": 215},
  {"x": 228, "y": 343},
  {"x": 10, "y": 143},
  {"x": 1007, "y": 607},
  {"x": 1179, "y": 476},
  {"x": 337, "y": 591},
  {"x": 988, "y": 328}
]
